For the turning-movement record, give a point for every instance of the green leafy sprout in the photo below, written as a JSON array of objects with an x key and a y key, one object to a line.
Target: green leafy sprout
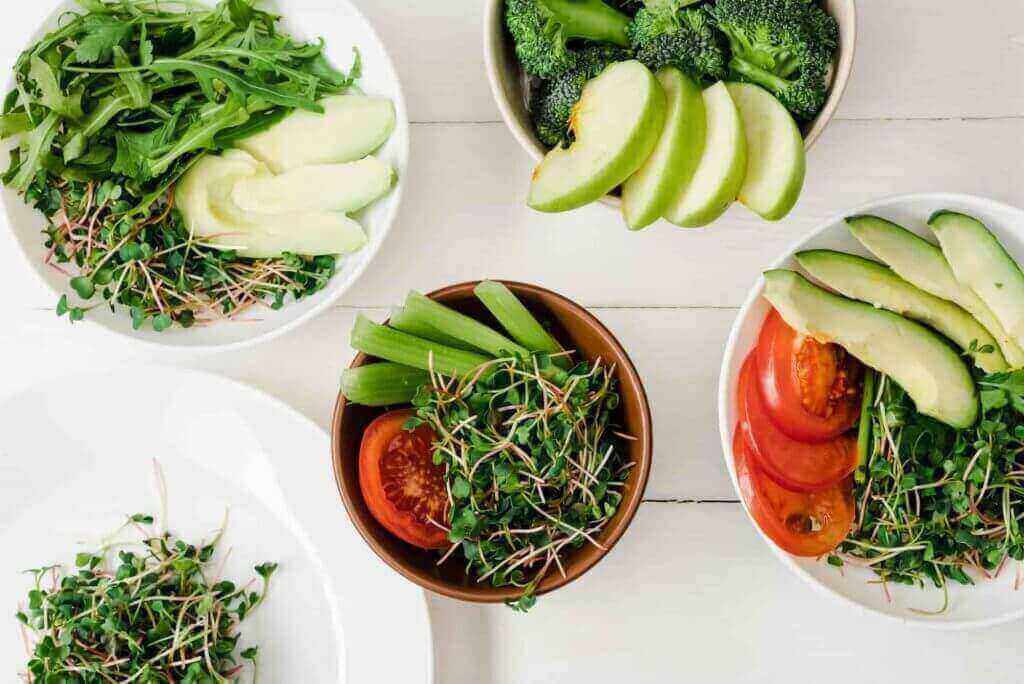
[
  {"x": 934, "y": 503},
  {"x": 150, "y": 611},
  {"x": 534, "y": 466},
  {"x": 113, "y": 107}
]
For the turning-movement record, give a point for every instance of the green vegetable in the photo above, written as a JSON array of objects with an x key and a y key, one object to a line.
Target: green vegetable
[
  {"x": 462, "y": 327},
  {"x": 552, "y": 100},
  {"x": 114, "y": 107},
  {"x": 938, "y": 502},
  {"x": 865, "y": 437},
  {"x": 665, "y": 34},
  {"x": 382, "y": 384},
  {"x": 784, "y": 46},
  {"x": 399, "y": 347},
  {"x": 518, "y": 320},
  {"x": 542, "y": 30},
  {"x": 149, "y": 613},
  {"x": 535, "y": 467},
  {"x": 401, "y": 320}
]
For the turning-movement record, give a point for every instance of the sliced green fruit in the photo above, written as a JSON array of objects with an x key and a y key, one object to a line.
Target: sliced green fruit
[
  {"x": 648, "y": 192},
  {"x": 923, "y": 364},
  {"x": 876, "y": 284},
  {"x": 204, "y": 199},
  {"x": 617, "y": 123},
  {"x": 922, "y": 264},
  {"x": 351, "y": 127},
  {"x": 776, "y": 162},
  {"x": 722, "y": 168},
  {"x": 320, "y": 187},
  {"x": 980, "y": 262}
]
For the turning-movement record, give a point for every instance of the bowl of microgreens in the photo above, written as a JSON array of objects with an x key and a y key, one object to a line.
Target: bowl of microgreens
[
  {"x": 669, "y": 109},
  {"x": 491, "y": 441},
  {"x": 872, "y": 409},
  {"x": 200, "y": 176}
]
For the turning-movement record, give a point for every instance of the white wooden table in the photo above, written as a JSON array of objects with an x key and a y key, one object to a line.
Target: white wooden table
[{"x": 691, "y": 593}]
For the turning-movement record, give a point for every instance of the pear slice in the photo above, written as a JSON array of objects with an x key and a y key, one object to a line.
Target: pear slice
[
  {"x": 722, "y": 168},
  {"x": 648, "y": 192},
  {"x": 776, "y": 163},
  {"x": 321, "y": 187},
  {"x": 617, "y": 123}
]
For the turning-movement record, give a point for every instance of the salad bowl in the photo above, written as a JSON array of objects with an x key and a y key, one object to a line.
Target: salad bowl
[
  {"x": 510, "y": 86},
  {"x": 989, "y": 601},
  {"x": 576, "y": 329},
  {"x": 343, "y": 29}
]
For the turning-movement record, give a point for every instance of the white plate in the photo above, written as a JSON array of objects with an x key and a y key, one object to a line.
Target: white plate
[
  {"x": 342, "y": 27},
  {"x": 985, "y": 604},
  {"x": 76, "y": 458}
]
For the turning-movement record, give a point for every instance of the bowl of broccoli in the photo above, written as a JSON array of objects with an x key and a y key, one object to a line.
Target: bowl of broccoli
[{"x": 541, "y": 53}]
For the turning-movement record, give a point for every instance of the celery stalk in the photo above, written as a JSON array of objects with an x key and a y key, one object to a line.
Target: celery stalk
[
  {"x": 461, "y": 326},
  {"x": 516, "y": 318},
  {"x": 399, "y": 347},
  {"x": 864, "y": 437},
  {"x": 401, "y": 320},
  {"x": 382, "y": 384}
]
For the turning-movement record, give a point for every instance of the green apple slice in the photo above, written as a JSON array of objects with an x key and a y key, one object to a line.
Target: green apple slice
[
  {"x": 722, "y": 168},
  {"x": 617, "y": 123},
  {"x": 776, "y": 163},
  {"x": 648, "y": 192}
]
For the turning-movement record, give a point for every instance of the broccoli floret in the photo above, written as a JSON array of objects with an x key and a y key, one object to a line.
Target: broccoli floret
[
  {"x": 552, "y": 100},
  {"x": 784, "y": 46},
  {"x": 664, "y": 34},
  {"x": 542, "y": 30},
  {"x": 630, "y": 7}
]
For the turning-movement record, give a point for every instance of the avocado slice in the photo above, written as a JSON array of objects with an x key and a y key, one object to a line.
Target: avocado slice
[
  {"x": 351, "y": 127},
  {"x": 981, "y": 263},
  {"x": 922, "y": 264},
  {"x": 876, "y": 284},
  {"x": 321, "y": 187},
  {"x": 931, "y": 372},
  {"x": 204, "y": 199}
]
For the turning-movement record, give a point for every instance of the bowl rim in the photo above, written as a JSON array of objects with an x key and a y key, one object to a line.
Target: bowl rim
[
  {"x": 844, "y": 61},
  {"x": 553, "y": 581},
  {"x": 725, "y": 398},
  {"x": 370, "y": 252}
]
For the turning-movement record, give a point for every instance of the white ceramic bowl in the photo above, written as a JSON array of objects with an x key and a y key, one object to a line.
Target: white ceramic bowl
[
  {"x": 509, "y": 84},
  {"x": 343, "y": 27},
  {"x": 987, "y": 603}
]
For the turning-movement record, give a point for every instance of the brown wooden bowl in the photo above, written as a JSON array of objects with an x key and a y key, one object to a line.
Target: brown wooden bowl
[{"x": 577, "y": 329}]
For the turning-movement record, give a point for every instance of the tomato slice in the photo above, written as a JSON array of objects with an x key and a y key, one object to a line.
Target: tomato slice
[
  {"x": 401, "y": 485},
  {"x": 810, "y": 390},
  {"x": 798, "y": 466},
  {"x": 801, "y": 524}
]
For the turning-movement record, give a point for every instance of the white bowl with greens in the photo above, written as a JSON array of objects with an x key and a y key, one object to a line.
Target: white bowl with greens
[
  {"x": 258, "y": 249},
  {"x": 990, "y": 600}
]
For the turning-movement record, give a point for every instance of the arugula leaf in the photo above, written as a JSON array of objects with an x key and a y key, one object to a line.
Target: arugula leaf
[
  {"x": 33, "y": 148},
  {"x": 53, "y": 98},
  {"x": 12, "y": 124},
  {"x": 141, "y": 93},
  {"x": 201, "y": 134},
  {"x": 103, "y": 34},
  {"x": 105, "y": 111}
]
